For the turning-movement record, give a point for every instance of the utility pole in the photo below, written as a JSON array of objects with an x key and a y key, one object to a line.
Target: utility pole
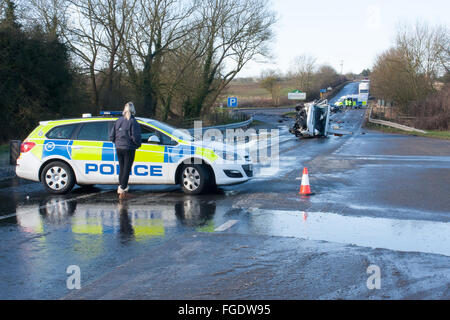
[{"x": 342, "y": 66}]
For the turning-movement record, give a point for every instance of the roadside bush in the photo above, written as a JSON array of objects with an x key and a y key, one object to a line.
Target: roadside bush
[
  {"x": 35, "y": 80},
  {"x": 433, "y": 113}
]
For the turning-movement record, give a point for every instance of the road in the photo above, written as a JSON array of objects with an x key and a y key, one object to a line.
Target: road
[{"x": 380, "y": 199}]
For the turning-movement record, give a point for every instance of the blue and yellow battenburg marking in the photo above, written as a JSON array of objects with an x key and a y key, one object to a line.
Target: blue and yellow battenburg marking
[
  {"x": 105, "y": 151},
  {"x": 57, "y": 148}
]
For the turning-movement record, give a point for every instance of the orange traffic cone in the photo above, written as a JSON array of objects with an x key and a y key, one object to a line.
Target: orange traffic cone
[{"x": 305, "y": 189}]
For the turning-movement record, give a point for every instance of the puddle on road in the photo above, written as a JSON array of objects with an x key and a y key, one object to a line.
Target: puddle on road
[
  {"x": 131, "y": 222},
  {"x": 85, "y": 222},
  {"x": 393, "y": 234}
]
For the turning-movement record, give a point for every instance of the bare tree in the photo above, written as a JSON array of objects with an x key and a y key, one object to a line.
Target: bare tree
[
  {"x": 10, "y": 14},
  {"x": 21, "y": 11},
  {"x": 303, "y": 68},
  {"x": 2, "y": 8},
  {"x": 94, "y": 31},
  {"x": 443, "y": 48},
  {"x": 270, "y": 80},
  {"x": 50, "y": 14},
  {"x": 83, "y": 35},
  {"x": 232, "y": 33},
  {"x": 408, "y": 72},
  {"x": 114, "y": 16},
  {"x": 158, "y": 27},
  {"x": 390, "y": 79},
  {"x": 425, "y": 51},
  {"x": 180, "y": 78},
  {"x": 166, "y": 46},
  {"x": 326, "y": 76}
]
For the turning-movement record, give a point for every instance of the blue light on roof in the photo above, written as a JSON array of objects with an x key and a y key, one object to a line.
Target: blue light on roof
[{"x": 110, "y": 113}]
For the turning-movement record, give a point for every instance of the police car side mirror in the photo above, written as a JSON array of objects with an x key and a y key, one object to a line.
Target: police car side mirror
[{"x": 154, "y": 140}]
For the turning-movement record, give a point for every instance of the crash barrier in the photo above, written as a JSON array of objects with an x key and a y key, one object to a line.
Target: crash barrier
[
  {"x": 393, "y": 124},
  {"x": 14, "y": 151},
  {"x": 236, "y": 125}
]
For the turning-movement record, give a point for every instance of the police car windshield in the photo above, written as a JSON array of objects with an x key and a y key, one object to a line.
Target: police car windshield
[{"x": 177, "y": 133}]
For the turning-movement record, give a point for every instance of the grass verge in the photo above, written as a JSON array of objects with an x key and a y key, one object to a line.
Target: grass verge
[
  {"x": 430, "y": 133},
  {"x": 292, "y": 114},
  {"x": 256, "y": 123}
]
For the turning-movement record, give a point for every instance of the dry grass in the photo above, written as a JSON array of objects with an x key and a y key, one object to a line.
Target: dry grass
[
  {"x": 246, "y": 91},
  {"x": 252, "y": 94},
  {"x": 430, "y": 133}
]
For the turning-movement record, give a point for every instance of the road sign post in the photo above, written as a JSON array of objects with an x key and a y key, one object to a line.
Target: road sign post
[
  {"x": 322, "y": 92},
  {"x": 232, "y": 102}
]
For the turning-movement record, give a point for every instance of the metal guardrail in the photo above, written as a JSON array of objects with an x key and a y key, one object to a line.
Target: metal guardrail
[
  {"x": 393, "y": 124},
  {"x": 226, "y": 126}
]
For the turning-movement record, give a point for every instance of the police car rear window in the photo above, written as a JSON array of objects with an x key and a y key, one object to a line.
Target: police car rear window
[
  {"x": 95, "y": 131},
  {"x": 61, "y": 132}
]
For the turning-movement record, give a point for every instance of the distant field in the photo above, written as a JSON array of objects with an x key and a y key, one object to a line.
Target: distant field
[
  {"x": 254, "y": 90},
  {"x": 251, "y": 93},
  {"x": 246, "y": 91}
]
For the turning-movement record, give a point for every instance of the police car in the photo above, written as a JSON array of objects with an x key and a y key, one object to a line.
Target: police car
[{"x": 63, "y": 153}]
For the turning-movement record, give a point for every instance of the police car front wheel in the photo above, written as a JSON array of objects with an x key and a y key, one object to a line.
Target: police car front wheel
[
  {"x": 194, "y": 179},
  {"x": 57, "y": 177}
]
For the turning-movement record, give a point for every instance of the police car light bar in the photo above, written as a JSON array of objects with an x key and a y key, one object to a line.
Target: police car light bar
[{"x": 110, "y": 113}]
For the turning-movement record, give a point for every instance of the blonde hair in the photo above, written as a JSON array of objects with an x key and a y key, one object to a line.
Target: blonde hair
[{"x": 129, "y": 110}]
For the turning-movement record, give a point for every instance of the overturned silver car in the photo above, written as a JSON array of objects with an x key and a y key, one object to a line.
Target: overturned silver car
[{"x": 312, "y": 120}]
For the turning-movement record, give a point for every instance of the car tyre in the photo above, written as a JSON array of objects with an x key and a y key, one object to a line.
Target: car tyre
[
  {"x": 194, "y": 179},
  {"x": 57, "y": 177}
]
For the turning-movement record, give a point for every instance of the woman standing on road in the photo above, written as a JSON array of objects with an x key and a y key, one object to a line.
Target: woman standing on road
[{"x": 126, "y": 134}]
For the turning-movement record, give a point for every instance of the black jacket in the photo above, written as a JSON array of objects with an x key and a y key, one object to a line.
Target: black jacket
[{"x": 126, "y": 134}]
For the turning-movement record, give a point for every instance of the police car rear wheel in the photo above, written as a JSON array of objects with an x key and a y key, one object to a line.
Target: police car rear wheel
[
  {"x": 57, "y": 177},
  {"x": 193, "y": 179}
]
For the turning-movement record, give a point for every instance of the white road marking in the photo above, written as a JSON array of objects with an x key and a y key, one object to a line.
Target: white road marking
[
  {"x": 227, "y": 225},
  {"x": 64, "y": 201}
]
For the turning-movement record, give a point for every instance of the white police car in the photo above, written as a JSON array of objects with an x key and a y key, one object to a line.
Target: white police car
[{"x": 63, "y": 153}]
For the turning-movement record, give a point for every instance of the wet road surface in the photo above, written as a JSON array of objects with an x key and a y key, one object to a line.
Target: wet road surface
[{"x": 379, "y": 199}]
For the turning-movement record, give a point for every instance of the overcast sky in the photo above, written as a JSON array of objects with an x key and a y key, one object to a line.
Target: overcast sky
[{"x": 354, "y": 31}]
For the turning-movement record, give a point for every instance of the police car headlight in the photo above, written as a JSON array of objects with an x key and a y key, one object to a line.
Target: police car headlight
[{"x": 231, "y": 156}]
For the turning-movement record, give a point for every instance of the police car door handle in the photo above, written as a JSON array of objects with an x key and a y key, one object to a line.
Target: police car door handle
[{"x": 76, "y": 147}]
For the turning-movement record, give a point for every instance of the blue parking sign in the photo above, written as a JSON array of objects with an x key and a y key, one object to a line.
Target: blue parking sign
[{"x": 232, "y": 102}]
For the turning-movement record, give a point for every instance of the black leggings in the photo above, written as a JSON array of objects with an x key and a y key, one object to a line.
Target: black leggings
[{"x": 126, "y": 159}]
